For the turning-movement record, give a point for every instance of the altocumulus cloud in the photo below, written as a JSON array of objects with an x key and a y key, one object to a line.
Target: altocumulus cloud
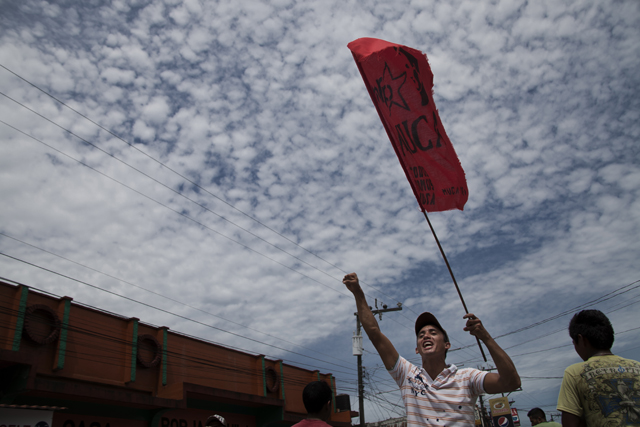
[{"x": 286, "y": 180}]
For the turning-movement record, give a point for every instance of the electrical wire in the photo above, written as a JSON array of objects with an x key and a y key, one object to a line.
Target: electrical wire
[
  {"x": 174, "y": 191},
  {"x": 598, "y": 300},
  {"x": 165, "y": 311},
  {"x": 178, "y": 174},
  {"x": 164, "y": 296},
  {"x": 553, "y": 348},
  {"x": 512, "y": 332},
  {"x": 573, "y": 310},
  {"x": 176, "y": 211},
  {"x": 163, "y": 185}
]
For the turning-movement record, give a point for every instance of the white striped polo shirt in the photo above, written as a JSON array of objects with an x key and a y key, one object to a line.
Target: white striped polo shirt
[{"x": 446, "y": 401}]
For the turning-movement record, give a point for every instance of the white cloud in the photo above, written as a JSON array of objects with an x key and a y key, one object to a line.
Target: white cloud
[
  {"x": 156, "y": 110},
  {"x": 143, "y": 131},
  {"x": 117, "y": 76},
  {"x": 261, "y": 104}
]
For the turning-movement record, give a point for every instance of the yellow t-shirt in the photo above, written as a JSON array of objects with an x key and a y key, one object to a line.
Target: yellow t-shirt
[{"x": 604, "y": 391}]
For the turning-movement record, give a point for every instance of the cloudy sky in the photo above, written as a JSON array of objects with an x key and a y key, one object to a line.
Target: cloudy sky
[{"x": 222, "y": 163}]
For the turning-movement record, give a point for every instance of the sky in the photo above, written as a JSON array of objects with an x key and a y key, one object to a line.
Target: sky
[{"x": 217, "y": 167}]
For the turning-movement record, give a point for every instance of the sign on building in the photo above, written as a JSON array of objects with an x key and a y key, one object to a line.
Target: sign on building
[
  {"x": 516, "y": 418},
  {"x": 501, "y": 412}
]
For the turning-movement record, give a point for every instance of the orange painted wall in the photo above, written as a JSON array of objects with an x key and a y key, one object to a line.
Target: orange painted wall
[{"x": 99, "y": 349}]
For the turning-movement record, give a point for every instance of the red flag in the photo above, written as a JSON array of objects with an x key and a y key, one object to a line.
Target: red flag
[{"x": 400, "y": 84}]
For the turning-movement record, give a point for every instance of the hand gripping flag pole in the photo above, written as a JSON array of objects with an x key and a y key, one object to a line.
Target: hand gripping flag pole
[
  {"x": 453, "y": 277},
  {"x": 400, "y": 83}
]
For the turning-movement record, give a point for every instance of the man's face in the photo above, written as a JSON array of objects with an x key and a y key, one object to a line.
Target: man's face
[{"x": 430, "y": 341}]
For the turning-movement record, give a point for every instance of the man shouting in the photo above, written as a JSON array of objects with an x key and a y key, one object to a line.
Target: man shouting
[{"x": 436, "y": 393}]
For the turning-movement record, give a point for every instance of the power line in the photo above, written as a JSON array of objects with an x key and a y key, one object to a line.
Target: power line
[
  {"x": 163, "y": 185},
  {"x": 162, "y": 295},
  {"x": 566, "y": 345},
  {"x": 178, "y": 174},
  {"x": 555, "y": 348},
  {"x": 174, "y": 191},
  {"x": 165, "y": 166},
  {"x": 598, "y": 300},
  {"x": 166, "y": 311},
  {"x": 572, "y": 310},
  {"x": 564, "y": 313},
  {"x": 246, "y": 214},
  {"x": 173, "y": 210}
]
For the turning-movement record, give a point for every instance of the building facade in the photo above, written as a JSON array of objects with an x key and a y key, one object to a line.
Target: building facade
[{"x": 91, "y": 368}]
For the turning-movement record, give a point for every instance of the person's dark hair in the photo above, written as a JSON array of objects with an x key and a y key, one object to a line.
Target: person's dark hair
[
  {"x": 315, "y": 395},
  {"x": 594, "y": 326},
  {"x": 427, "y": 318},
  {"x": 216, "y": 421},
  {"x": 537, "y": 413}
]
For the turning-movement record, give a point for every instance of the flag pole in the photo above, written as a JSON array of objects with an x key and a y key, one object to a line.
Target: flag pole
[{"x": 452, "y": 276}]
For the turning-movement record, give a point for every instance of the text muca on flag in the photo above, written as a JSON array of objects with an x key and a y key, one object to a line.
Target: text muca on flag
[{"x": 400, "y": 83}]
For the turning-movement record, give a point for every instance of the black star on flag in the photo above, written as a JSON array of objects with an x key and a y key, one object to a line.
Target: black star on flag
[{"x": 388, "y": 90}]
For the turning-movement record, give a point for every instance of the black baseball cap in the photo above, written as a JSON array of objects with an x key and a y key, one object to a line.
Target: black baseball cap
[{"x": 427, "y": 318}]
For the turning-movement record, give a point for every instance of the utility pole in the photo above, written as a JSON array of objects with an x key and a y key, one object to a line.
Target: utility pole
[
  {"x": 359, "y": 356},
  {"x": 484, "y": 418}
]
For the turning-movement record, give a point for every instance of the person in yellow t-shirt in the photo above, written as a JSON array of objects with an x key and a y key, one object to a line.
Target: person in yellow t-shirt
[{"x": 604, "y": 390}]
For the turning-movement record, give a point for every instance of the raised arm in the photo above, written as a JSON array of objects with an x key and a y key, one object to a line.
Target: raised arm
[
  {"x": 385, "y": 349},
  {"x": 507, "y": 378}
]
